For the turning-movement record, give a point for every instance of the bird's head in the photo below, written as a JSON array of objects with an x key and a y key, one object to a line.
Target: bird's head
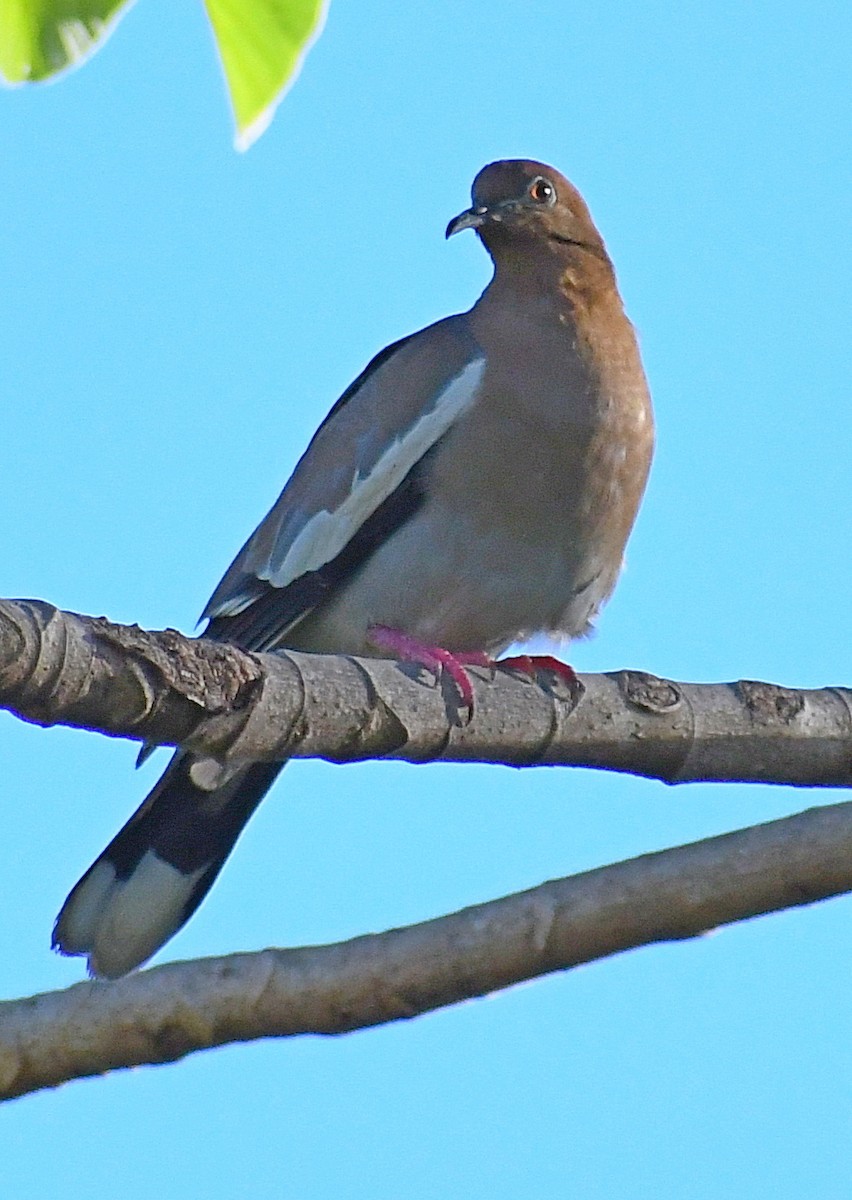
[{"x": 517, "y": 201}]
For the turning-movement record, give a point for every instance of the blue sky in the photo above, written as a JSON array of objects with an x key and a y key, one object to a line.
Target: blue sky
[{"x": 176, "y": 319}]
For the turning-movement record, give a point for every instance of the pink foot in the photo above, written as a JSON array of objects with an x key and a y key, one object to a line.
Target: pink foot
[
  {"x": 433, "y": 658},
  {"x": 531, "y": 664}
]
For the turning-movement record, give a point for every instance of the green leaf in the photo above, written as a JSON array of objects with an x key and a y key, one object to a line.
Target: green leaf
[
  {"x": 38, "y": 38},
  {"x": 262, "y": 44}
]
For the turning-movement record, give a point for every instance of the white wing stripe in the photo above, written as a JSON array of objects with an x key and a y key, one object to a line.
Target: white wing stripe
[{"x": 326, "y": 533}]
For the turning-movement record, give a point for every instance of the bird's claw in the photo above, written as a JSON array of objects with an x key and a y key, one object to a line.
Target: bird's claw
[
  {"x": 535, "y": 664},
  {"x": 435, "y": 659}
]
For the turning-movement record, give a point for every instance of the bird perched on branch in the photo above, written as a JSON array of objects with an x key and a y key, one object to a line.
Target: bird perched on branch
[{"x": 476, "y": 484}]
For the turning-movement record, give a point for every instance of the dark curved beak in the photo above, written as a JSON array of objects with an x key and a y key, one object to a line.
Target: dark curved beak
[{"x": 471, "y": 218}]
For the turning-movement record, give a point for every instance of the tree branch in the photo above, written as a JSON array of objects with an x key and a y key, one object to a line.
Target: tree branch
[
  {"x": 164, "y": 1013},
  {"x": 219, "y": 702}
]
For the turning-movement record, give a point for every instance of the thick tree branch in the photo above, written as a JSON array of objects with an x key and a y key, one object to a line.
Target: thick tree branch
[
  {"x": 162, "y": 1014},
  {"x": 59, "y": 668}
]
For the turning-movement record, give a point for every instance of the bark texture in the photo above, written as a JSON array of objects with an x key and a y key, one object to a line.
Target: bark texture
[{"x": 220, "y": 702}]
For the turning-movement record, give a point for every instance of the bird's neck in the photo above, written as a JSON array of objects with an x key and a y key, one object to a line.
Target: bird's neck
[
  {"x": 576, "y": 272},
  {"x": 574, "y": 285}
]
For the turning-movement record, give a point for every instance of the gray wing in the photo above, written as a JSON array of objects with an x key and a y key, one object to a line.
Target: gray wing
[{"x": 360, "y": 478}]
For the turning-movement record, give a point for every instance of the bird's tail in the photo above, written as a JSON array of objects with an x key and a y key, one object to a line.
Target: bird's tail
[{"x": 159, "y": 867}]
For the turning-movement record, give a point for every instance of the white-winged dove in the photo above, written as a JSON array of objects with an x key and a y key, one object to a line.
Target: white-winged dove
[{"x": 475, "y": 485}]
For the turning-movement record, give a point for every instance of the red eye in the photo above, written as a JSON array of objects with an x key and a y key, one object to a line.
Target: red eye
[{"x": 542, "y": 191}]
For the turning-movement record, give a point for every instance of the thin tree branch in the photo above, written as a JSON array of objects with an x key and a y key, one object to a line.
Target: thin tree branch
[
  {"x": 219, "y": 702},
  {"x": 164, "y": 1013}
]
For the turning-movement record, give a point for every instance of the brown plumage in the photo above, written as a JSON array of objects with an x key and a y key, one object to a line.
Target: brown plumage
[{"x": 475, "y": 485}]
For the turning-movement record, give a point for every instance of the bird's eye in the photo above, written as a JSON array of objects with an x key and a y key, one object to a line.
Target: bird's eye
[{"x": 542, "y": 191}]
